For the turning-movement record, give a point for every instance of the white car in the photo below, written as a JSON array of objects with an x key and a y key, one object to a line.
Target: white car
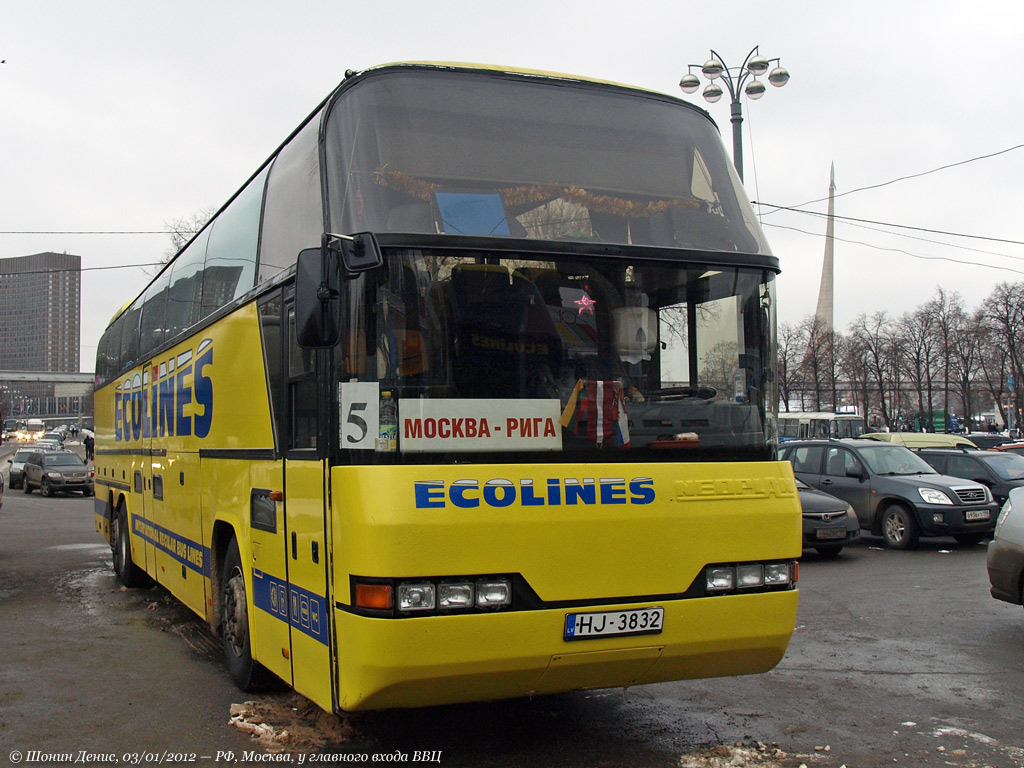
[{"x": 1006, "y": 551}]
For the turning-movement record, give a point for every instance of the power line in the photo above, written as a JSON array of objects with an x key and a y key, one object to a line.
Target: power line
[
  {"x": 82, "y": 269},
  {"x": 84, "y": 232},
  {"x": 890, "y": 224},
  {"x": 916, "y": 175},
  {"x": 900, "y": 250}
]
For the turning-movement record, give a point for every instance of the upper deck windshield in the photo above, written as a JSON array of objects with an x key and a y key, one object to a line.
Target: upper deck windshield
[
  {"x": 564, "y": 358},
  {"x": 445, "y": 151}
]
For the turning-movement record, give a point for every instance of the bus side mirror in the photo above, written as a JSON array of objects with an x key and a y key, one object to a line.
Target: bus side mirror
[
  {"x": 359, "y": 253},
  {"x": 319, "y": 275},
  {"x": 317, "y": 298}
]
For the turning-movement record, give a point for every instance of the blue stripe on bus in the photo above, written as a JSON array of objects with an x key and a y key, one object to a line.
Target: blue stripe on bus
[
  {"x": 191, "y": 554},
  {"x": 308, "y": 611}
]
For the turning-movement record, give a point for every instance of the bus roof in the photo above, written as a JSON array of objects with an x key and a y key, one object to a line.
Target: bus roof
[{"x": 527, "y": 72}]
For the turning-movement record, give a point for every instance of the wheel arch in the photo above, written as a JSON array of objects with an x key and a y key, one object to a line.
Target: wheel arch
[
  {"x": 884, "y": 505},
  {"x": 223, "y": 533}
]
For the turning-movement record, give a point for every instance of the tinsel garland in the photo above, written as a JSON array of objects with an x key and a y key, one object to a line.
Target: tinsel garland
[{"x": 538, "y": 193}]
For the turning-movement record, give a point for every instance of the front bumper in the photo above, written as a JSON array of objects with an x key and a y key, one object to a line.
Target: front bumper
[
  {"x": 944, "y": 520},
  {"x": 452, "y": 659}
]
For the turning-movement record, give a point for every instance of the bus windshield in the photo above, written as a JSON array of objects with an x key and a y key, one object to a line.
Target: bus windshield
[
  {"x": 561, "y": 356},
  {"x": 537, "y": 158}
]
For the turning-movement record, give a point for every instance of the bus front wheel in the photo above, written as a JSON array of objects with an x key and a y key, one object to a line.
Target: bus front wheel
[
  {"x": 247, "y": 673},
  {"x": 128, "y": 573}
]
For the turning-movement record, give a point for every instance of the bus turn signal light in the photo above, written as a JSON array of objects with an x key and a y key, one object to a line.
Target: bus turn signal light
[{"x": 378, "y": 597}]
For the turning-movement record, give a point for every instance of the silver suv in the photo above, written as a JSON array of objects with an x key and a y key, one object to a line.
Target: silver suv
[
  {"x": 17, "y": 462},
  {"x": 895, "y": 494},
  {"x": 56, "y": 472}
]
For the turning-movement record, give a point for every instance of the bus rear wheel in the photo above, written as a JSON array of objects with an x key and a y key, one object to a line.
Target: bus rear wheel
[{"x": 246, "y": 673}]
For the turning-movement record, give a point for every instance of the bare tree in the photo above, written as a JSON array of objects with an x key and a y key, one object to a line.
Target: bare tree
[
  {"x": 944, "y": 307},
  {"x": 917, "y": 330},
  {"x": 792, "y": 347},
  {"x": 183, "y": 229},
  {"x": 875, "y": 338},
  {"x": 1004, "y": 314}
]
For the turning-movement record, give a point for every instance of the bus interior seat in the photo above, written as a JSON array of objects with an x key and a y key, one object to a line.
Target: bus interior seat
[{"x": 504, "y": 334}]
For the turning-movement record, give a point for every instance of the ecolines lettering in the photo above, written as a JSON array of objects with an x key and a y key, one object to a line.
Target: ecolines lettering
[
  {"x": 499, "y": 492},
  {"x": 153, "y": 403}
]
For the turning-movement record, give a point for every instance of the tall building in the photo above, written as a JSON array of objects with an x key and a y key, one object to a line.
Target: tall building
[{"x": 40, "y": 301}]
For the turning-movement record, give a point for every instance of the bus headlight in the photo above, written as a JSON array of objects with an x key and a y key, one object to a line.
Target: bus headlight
[
  {"x": 720, "y": 579},
  {"x": 423, "y": 596},
  {"x": 416, "y": 597},
  {"x": 493, "y": 593},
  {"x": 778, "y": 575},
  {"x": 748, "y": 576},
  {"x": 454, "y": 596}
]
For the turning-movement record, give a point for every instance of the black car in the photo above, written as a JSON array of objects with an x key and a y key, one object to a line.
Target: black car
[
  {"x": 894, "y": 492},
  {"x": 986, "y": 440},
  {"x": 1001, "y": 471},
  {"x": 56, "y": 472},
  {"x": 829, "y": 523}
]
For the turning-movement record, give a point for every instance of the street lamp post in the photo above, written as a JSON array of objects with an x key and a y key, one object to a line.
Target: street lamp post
[{"x": 738, "y": 80}]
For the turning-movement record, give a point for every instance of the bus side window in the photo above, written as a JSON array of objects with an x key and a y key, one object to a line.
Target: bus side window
[
  {"x": 270, "y": 329},
  {"x": 302, "y": 391}
]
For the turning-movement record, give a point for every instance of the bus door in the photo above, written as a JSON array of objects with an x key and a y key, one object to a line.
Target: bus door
[
  {"x": 306, "y": 523},
  {"x": 136, "y": 418},
  {"x": 271, "y": 634}
]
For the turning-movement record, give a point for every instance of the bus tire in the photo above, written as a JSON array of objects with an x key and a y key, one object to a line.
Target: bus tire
[
  {"x": 899, "y": 529},
  {"x": 248, "y": 674},
  {"x": 128, "y": 573}
]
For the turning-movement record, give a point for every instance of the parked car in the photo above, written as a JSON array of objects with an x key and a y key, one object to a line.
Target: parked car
[
  {"x": 1015, "y": 447},
  {"x": 1001, "y": 472},
  {"x": 1006, "y": 552},
  {"x": 829, "y": 523},
  {"x": 893, "y": 491},
  {"x": 17, "y": 462},
  {"x": 987, "y": 440},
  {"x": 921, "y": 439},
  {"x": 57, "y": 472}
]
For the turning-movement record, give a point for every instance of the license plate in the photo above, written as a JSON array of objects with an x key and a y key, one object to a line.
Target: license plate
[
  {"x": 976, "y": 514},
  {"x": 638, "y": 621},
  {"x": 831, "y": 533}
]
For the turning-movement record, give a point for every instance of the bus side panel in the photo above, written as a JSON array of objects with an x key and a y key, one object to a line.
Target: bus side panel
[
  {"x": 177, "y": 531},
  {"x": 646, "y": 532},
  {"x": 269, "y": 630},
  {"x": 309, "y": 599}
]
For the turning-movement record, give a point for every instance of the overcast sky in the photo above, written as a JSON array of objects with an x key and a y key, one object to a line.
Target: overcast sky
[{"x": 126, "y": 115}]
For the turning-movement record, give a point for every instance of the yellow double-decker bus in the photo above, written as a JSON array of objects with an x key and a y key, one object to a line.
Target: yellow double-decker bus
[{"x": 468, "y": 393}]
